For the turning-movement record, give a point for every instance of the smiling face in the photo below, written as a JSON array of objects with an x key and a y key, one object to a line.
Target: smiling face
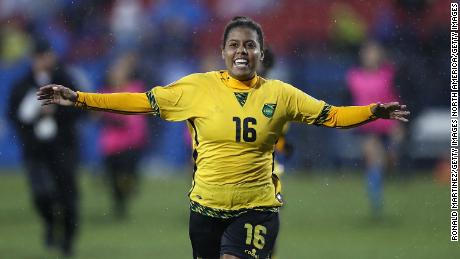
[{"x": 242, "y": 53}]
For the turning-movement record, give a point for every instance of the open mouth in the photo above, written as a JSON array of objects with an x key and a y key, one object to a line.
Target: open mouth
[{"x": 241, "y": 63}]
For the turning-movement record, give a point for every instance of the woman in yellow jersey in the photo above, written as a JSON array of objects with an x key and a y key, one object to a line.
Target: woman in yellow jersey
[{"x": 235, "y": 118}]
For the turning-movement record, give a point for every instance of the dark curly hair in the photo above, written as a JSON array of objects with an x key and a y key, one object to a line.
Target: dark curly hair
[{"x": 242, "y": 21}]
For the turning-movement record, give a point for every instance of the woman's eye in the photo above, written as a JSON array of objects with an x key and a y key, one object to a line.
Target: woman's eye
[{"x": 251, "y": 45}]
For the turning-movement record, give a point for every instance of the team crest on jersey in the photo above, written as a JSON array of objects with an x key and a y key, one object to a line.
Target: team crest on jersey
[{"x": 269, "y": 109}]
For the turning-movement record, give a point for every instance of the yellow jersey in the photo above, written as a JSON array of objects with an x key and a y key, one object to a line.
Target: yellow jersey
[{"x": 235, "y": 126}]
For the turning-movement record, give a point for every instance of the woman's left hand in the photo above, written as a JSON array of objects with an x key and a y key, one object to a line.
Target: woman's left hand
[{"x": 392, "y": 110}]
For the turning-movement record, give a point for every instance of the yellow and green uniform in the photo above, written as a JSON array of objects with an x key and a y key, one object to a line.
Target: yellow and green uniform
[{"x": 235, "y": 126}]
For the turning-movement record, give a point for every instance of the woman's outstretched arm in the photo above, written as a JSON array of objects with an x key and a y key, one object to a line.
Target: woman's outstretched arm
[
  {"x": 353, "y": 116},
  {"x": 124, "y": 103}
]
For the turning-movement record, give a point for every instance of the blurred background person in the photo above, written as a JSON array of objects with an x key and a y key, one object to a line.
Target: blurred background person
[
  {"x": 283, "y": 148},
  {"x": 123, "y": 138},
  {"x": 49, "y": 148},
  {"x": 373, "y": 81}
]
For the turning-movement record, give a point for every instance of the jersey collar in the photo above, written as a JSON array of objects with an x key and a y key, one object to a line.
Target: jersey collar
[{"x": 237, "y": 84}]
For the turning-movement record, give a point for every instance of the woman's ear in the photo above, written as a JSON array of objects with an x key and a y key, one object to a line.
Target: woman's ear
[{"x": 222, "y": 53}]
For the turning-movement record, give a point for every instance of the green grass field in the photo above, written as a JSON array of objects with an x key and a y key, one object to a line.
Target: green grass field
[{"x": 324, "y": 217}]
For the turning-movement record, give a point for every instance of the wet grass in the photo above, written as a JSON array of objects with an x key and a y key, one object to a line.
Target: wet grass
[{"x": 324, "y": 217}]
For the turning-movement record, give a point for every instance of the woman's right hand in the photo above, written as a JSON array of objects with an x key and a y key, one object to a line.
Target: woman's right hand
[{"x": 57, "y": 94}]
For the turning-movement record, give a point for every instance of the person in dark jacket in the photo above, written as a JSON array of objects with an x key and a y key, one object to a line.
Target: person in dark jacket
[{"x": 48, "y": 140}]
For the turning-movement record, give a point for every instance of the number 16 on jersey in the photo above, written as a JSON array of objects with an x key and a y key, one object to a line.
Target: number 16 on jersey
[{"x": 249, "y": 134}]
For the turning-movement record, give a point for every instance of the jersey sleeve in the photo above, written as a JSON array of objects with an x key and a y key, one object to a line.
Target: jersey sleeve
[
  {"x": 125, "y": 103},
  {"x": 301, "y": 107},
  {"x": 344, "y": 117},
  {"x": 177, "y": 101}
]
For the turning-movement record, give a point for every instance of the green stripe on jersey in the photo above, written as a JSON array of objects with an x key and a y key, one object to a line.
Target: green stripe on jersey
[
  {"x": 322, "y": 117},
  {"x": 225, "y": 214},
  {"x": 153, "y": 103},
  {"x": 241, "y": 97}
]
